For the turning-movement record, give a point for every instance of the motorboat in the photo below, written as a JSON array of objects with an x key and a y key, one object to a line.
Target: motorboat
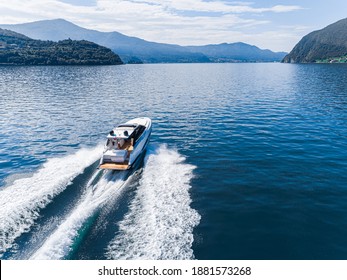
[{"x": 125, "y": 144}]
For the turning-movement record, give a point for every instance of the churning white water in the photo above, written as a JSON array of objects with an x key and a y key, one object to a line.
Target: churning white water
[
  {"x": 22, "y": 200},
  {"x": 58, "y": 244},
  {"x": 160, "y": 222}
]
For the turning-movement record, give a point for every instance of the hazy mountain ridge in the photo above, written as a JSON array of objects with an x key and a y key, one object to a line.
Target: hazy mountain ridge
[
  {"x": 237, "y": 52},
  {"x": 126, "y": 47},
  {"x": 135, "y": 49},
  {"x": 327, "y": 43},
  {"x": 18, "y": 49}
]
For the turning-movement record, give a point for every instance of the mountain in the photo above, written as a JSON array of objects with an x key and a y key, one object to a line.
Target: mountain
[
  {"x": 138, "y": 50},
  {"x": 18, "y": 49},
  {"x": 327, "y": 43},
  {"x": 128, "y": 48},
  {"x": 237, "y": 52}
]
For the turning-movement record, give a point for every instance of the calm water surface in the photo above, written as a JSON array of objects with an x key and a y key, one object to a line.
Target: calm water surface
[{"x": 246, "y": 161}]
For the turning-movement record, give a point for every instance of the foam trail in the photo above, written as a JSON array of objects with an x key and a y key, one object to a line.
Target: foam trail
[
  {"x": 160, "y": 221},
  {"x": 22, "y": 201},
  {"x": 58, "y": 245}
]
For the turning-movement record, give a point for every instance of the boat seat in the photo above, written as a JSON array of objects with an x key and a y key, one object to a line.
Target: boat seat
[{"x": 120, "y": 143}]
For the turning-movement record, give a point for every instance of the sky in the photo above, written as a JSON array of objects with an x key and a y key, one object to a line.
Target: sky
[{"x": 268, "y": 24}]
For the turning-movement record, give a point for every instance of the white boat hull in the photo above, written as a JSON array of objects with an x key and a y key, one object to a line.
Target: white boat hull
[{"x": 123, "y": 157}]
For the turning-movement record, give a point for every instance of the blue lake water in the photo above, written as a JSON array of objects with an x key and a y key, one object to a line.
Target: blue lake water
[{"x": 246, "y": 161}]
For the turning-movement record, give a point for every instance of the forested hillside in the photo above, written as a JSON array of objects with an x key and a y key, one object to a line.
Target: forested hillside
[
  {"x": 16, "y": 49},
  {"x": 328, "y": 44}
]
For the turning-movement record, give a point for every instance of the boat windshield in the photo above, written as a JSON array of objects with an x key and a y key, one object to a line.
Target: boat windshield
[
  {"x": 123, "y": 131},
  {"x": 124, "y": 136}
]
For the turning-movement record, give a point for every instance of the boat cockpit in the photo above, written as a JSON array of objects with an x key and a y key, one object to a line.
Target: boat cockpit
[{"x": 124, "y": 137}]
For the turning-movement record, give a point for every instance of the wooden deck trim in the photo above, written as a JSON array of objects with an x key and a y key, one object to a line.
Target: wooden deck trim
[
  {"x": 114, "y": 166},
  {"x": 127, "y": 146}
]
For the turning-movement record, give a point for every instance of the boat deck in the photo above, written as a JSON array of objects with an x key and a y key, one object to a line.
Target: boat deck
[
  {"x": 115, "y": 166},
  {"x": 127, "y": 146}
]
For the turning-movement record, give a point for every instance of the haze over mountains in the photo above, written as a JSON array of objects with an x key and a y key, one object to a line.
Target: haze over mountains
[
  {"x": 236, "y": 52},
  {"x": 136, "y": 49},
  {"x": 327, "y": 45}
]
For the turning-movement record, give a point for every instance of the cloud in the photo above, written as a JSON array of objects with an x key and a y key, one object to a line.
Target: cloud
[
  {"x": 216, "y": 6},
  {"x": 127, "y": 10},
  {"x": 80, "y": 2},
  {"x": 284, "y": 9}
]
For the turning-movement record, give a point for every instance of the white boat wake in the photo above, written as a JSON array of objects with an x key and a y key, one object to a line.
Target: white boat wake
[
  {"x": 22, "y": 201},
  {"x": 58, "y": 245},
  {"x": 160, "y": 221},
  {"x": 159, "y": 224}
]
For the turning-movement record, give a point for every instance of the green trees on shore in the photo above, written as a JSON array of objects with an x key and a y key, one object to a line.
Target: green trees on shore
[
  {"x": 18, "y": 49},
  {"x": 328, "y": 45}
]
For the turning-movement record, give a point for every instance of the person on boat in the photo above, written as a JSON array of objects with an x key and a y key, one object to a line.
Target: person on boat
[
  {"x": 110, "y": 144},
  {"x": 120, "y": 143}
]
